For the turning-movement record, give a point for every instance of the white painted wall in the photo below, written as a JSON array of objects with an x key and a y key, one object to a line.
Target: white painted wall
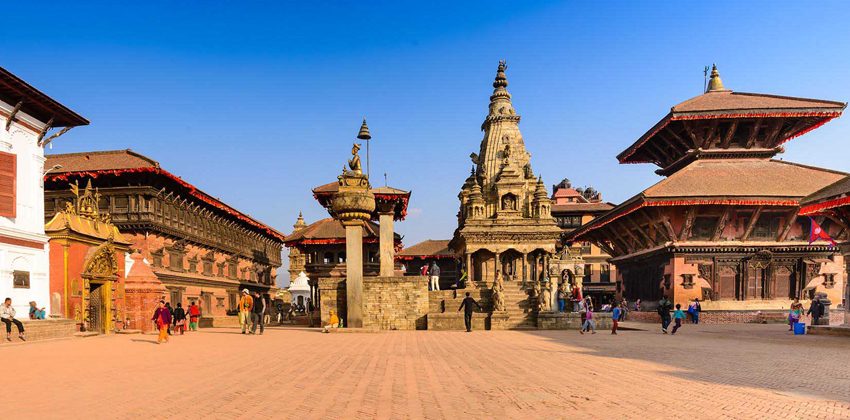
[{"x": 28, "y": 224}]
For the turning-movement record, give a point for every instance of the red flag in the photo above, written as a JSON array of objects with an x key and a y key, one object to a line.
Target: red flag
[{"x": 817, "y": 233}]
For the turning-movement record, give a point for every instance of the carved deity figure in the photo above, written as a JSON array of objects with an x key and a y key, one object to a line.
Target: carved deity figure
[
  {"x": 545, "y": 298},
  {"x": 534, "y": 295},
  {"x": 354, "y": 162},
  {"x": 508, "y": 202},
  {"x": 498, "y": 295}
]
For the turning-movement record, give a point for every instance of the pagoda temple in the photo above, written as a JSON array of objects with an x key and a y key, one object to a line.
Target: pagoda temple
[
  {"x": 505, "y": 223},
  {"x": 723, "y": 225}
]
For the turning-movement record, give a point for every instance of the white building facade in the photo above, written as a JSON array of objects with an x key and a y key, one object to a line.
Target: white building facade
[{"x": 26, "y": 116}]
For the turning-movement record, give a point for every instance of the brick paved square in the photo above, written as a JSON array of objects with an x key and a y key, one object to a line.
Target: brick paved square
[{"x": 730, "y": 371}]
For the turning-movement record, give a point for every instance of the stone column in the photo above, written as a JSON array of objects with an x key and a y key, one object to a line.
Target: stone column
[
  {"x": 524, "y": 267},
  {"x": 469, "y": 272},
  {"x": 354, "y": 272},
  {"x": 387, "y": 243},
  {"x": 498, "y": 271}
]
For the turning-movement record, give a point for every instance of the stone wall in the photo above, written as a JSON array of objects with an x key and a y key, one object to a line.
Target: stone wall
[
  {"x": 453, "y": 321},
  {"x": 735, "y": 317},
  {"x": 395, "y": 303},
  {"x": 332, "y": 297},
  {"x": 45, "y": 329},
  {"x": 570, "y": 320}
]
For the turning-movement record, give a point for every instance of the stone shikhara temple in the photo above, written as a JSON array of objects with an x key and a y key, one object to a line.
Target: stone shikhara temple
[{"x": 723, "y": 226}]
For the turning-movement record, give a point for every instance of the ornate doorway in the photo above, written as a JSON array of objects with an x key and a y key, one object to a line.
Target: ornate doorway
[{"x": 97, "y": 308}]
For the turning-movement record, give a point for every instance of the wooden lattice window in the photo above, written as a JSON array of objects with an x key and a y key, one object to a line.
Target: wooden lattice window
[
  {"x": 8, "y": 177},
  {"x": 21, "y": 279}
]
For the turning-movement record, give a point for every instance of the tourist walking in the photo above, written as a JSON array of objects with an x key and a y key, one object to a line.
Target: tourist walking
[
  {"x": 467, "y": 306},
  {"x": 179, "y": 319},
  {"x": 434, "y": 273},
  {"x": 816, "y": 310},
  {"x": 678, "y": 315},
  {"x": 588, "y": 324},
  {"x": 258, "y": 314},
  {"x": 246, "y": 304},
  {"x": 664, "y": 307},
  {"x": 694, "y": 309},
  {"x": 194, "y": 316},
  {"x": 615, "y": 318},
  {"x": 171, "y": 312},
  {"x": 637, "y": 305},
  {"x": 7, "y": 315},
  {"x": 162, "y": 318}
]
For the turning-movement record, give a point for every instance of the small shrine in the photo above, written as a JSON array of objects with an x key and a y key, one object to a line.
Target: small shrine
[{"x": 87, "y": 278}]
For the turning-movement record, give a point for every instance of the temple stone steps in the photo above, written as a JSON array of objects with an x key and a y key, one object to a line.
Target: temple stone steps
[{"x": 517, "y": 306}]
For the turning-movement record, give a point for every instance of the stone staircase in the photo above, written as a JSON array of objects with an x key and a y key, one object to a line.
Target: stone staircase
[{"x": 516, "y": 303}]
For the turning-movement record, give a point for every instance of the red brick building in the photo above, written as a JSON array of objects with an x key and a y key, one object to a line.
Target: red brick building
[{"x": 200, "y": 248}]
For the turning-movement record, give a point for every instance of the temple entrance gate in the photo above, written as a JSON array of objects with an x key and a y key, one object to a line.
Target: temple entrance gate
[{"x": 97, "y": 308}]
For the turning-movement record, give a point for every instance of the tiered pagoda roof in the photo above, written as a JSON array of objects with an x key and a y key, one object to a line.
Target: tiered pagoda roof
[
  {"x": 716, "y": 149},
  {"x": 329, "y": 231},
  {"x": 721, "y": 123},
  {"x": 429, "y": 248}
]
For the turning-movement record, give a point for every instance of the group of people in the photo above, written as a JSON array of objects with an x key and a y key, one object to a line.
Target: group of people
[
  {"x": 665, "y": 306},
  {"x": 252, "y": 309},
  {"x": 433, "y": 273},
  {"x": 165, "y": 316},
  {"x": 585, "y": 308},
  {"x": 8, "y": 313},
  {"x": 795, "y": 314}
]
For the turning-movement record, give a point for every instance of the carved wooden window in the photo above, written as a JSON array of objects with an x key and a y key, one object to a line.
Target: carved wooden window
[
  {"x": 232, "y": 298},
  {"x": 605, "y": 273},
  {"x": 157, "y": 258},
  {"x": 220, "y": 267},
  {"x": 688, "y": 281},
  {"x": 767, "y": 227},
  {"x": 175, "y": 260},
  {"x": 219, "y": 302},
  {"x": 8, "y": 180},
  {"x": 232, "y": 267},
  {"x": 569, "y": 222},
  {"x": 193, "y": 264},
  {"x": 588, "y": 273},
  {"x": 21, "y": 279},
  {"x": 704, "y": 227},
  {"x": 207, "y": 267}
]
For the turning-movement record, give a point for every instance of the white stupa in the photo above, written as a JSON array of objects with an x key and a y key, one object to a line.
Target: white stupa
[{"x": 300, "y": 287}]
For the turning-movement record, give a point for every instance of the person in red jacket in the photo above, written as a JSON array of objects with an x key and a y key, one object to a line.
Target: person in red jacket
[{"x": 194, "y": 316}]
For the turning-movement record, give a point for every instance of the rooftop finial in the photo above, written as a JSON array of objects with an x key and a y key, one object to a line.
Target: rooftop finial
[
  {"x": 364, "y": 131},
  {"x": 714, "y": 83},
  {"x": 501, "y": 80}
]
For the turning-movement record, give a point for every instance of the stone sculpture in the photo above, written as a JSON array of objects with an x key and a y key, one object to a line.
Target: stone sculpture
[{"x": 498, "y": 295}]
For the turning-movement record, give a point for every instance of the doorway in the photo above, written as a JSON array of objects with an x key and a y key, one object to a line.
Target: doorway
[{"x": 97, "y": 308}]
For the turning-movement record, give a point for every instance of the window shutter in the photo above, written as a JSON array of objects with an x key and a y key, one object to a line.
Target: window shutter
[{"x": 8, "y": 174}]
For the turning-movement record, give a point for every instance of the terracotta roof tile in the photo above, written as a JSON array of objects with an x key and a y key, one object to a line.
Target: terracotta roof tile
[
  {"x": 329, "y": 228},
  {"x": 428, "y": 247},
  {"x": 743, "y": 178},
  {"x": 742, "y": 101},
  {"x": 835, "y": 190},
  {"x": 99, "y": 161}
]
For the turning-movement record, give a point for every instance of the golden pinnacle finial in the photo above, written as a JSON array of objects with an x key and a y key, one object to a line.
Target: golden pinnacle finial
[
  {"x": 501, "y": 79},
  {"x": 364, "y": 131},
  {"x": 714, "y": 83}
]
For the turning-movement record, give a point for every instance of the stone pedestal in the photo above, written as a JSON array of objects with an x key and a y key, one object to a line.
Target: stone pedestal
[
  {"x": 499, "y": 320},
  {"x": 386, "y": 243}
]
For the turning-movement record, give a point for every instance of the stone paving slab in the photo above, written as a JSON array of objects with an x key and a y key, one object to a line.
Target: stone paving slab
[{"x": 704, "y": 372}]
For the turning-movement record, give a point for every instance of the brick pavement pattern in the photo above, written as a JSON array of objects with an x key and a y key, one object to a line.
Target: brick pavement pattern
[{"x": 711, "y": 372}]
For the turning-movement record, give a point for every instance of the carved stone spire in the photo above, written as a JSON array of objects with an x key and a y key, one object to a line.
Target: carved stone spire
[
  {"x": 299, "y": 224},
  {"x": 714, "y": 83}
]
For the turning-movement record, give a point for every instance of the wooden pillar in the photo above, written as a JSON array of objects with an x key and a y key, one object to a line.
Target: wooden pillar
[{"x": 498, "y": 271}]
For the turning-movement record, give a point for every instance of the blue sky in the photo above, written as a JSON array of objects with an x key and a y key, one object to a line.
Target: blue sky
[{"x": 257, "y": 102}]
